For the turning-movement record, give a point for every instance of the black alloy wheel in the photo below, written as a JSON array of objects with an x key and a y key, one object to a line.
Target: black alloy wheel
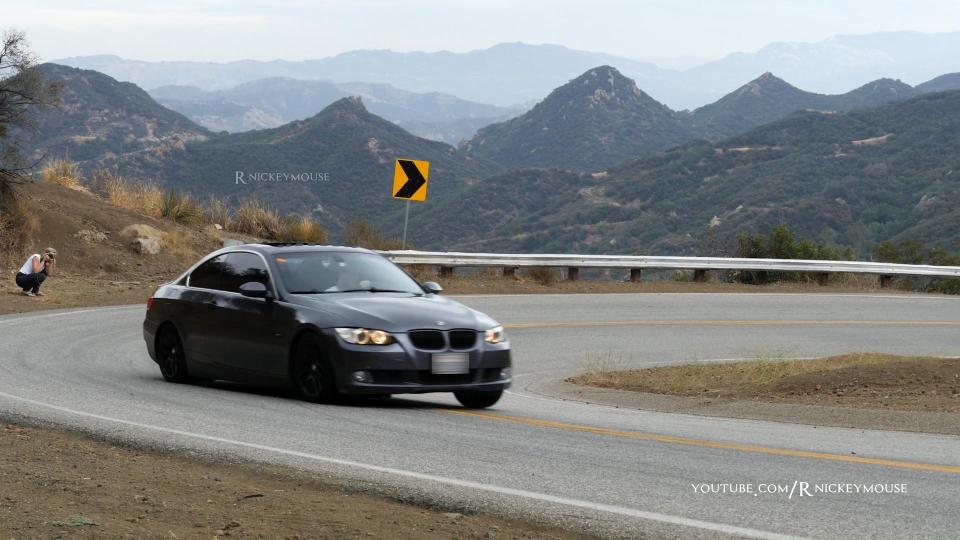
[
  {"x": 171, "y": 357},
  {"x": 312, "y": 375}
]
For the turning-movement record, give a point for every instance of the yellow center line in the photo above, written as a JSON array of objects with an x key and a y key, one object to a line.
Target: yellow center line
[
  {"x": 688, "y": 441},
  {"x": 724, "y": 322}
]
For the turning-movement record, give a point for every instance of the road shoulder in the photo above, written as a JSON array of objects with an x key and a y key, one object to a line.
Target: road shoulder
[{"x": 887, "y": 420}]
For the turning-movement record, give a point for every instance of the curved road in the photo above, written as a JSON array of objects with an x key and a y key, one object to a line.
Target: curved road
[{"x": 605, "y": 470}]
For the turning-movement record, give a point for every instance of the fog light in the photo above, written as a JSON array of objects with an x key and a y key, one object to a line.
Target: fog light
[
  {"x": 362, "y": 376},
  {"x": 506, "y": 372}
]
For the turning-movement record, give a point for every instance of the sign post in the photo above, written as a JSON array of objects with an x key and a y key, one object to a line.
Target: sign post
[{"x": 410, "y": 184}]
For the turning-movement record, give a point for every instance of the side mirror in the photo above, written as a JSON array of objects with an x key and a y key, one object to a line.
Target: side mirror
[
  {"x": 433, "y": 287},
  {"x": 255, "y": 289}
]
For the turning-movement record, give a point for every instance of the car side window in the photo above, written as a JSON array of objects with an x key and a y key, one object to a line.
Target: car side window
[
  {"x": 241, "y": 268},
  {"x": 209, "y": 275}
]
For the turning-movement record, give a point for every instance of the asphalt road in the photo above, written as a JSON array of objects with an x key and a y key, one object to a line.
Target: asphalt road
[{"x": 611, "y": 471}]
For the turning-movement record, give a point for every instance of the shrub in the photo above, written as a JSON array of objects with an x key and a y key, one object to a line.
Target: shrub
[
  {"x": 144, "y": 198},
  {"x": 361, "y": 233},
  {"x": 257, "y": 220},
  {"x": 302, "y": 229},
  {"x": 780, "y": 243},
  {"x": 218, "y": 212},
  {"x": 180, "y": 208},
  {"x": 62, "y": 172}
]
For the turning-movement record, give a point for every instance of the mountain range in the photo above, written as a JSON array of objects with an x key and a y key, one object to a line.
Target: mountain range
[
  {"x": 603, "y": 118},
  {"x": 853, "y": 178},
  {"x": 342, "y": 158},
  {"x": 101, "y": 118},
  {"x": 271, "y": 102},
  {"x": 510, "y": 73},
  {"x": 848, "y": 177}
]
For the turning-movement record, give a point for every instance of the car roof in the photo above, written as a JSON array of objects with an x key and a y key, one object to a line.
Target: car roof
[{"x": 271, "y": 248}]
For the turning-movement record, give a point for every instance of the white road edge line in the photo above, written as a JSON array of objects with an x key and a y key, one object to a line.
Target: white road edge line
[{"x": 543, "y": 497}]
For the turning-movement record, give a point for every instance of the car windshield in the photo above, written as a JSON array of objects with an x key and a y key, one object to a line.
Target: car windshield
[{"x": 325, "y": 272}]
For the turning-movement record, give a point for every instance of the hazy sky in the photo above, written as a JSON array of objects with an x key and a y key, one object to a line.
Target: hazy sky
[{"x": 221, "y": 30}]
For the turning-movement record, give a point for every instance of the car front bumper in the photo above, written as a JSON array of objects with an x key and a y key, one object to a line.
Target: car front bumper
[{"x": 401, "y": 368}]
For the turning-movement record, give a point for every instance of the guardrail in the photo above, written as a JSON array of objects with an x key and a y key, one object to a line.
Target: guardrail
[{"x": 447, "y": 261}]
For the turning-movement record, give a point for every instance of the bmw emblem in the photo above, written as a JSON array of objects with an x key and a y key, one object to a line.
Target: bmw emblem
[{"x": 441, "y": 323}]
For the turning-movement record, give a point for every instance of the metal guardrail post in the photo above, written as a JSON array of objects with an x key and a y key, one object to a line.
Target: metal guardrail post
[
  {"x": 886, "y": 282},
  {"x": 635, "y": 275},
  {"x": 446, "y": 271},
  {"x": 573, "y": 273},
  {"x": 700, "y": 276},
  {"x": 823, "y": 279},
  {"x": 509, "y": 271}
]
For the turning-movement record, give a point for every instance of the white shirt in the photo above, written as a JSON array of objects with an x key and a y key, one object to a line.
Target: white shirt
[{"x": 27, "y": 267}]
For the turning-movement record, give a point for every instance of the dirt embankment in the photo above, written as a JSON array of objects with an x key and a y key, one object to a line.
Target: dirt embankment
[
  {"x": 865, "y": 390},
  {"x": 95, "y": 264},
  {"x": 63, "y": 485}
]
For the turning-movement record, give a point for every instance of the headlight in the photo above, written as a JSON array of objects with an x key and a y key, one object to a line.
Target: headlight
[
  {"x": 363, "y": 336},
  {"x": 494, "y": 335}
]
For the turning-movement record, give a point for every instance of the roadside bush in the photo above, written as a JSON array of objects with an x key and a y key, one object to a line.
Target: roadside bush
[
  {"x": 914, "y": 252},
  {"x": 180, "y": 208},
  {"x": 361, "y": 233},
  {"x": 140, "y": 197},
  {"x": 217, "y": 211},
  {"x": 781, "y": 243},
  {"x": 257, "y": 220},
  {"x": 62, "y": 172},
  {"x": 302, "y": 229}
]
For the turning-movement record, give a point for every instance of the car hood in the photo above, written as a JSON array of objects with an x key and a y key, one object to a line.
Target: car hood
[{"x": 395, "y": 312}]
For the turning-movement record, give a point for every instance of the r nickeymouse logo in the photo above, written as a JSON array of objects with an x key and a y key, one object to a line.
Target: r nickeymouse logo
[{"x": 245, "y": 178}]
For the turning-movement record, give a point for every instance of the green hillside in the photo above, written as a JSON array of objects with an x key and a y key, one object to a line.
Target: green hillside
[
  {"x": 769, "y": 98},
  {"x": 101, "y": 117},
  {"x": 594, "y": 121},
  {"x": 845, "y": 178},
  {"x": 352, "y": 147}
]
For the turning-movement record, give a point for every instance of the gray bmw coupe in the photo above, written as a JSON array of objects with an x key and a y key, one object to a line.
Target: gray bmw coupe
[{"x": 325, "y": 321}]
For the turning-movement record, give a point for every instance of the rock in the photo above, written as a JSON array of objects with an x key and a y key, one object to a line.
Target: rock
[
  {"x": 145, "y": 239},
  {"x": 453, "y": 515},
  {"x": 140, "y": 230},
  {"x": 147, "y": 246}
]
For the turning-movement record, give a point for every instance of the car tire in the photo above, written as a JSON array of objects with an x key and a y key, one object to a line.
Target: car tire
[
  {"x": 311, "y": 373},
  {"x": 171, "y": 357},
  {"x": 478, "y": 400}
]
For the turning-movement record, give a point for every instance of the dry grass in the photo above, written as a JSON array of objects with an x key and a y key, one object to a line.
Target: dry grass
[
  {"x": 180, "y": 208},
  {"x": 302, "y": 229},
  {"x": 863, "y": 380},
  {"x": 17, "y": 226},
  {"x": 63, "y": 172},
  {"x": 543, "y": 275},
  {"x": 257, "y": 220},
  {"x": 179, "y": 245},
  {"x": 140, "y": 197},
  {"x": 361, "y": 233},
  {"x": 216, "y": 211}
]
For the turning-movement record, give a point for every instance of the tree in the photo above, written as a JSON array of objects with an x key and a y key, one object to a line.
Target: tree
[{"x": 23, "y": 90}]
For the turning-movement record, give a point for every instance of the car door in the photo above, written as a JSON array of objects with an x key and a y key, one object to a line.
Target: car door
[
  {"x": 253, "y": 328},
  {"x": 197, "y": 305}
]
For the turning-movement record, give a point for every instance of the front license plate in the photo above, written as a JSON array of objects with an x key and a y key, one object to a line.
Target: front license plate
[{"x": 450, "y": 364}]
